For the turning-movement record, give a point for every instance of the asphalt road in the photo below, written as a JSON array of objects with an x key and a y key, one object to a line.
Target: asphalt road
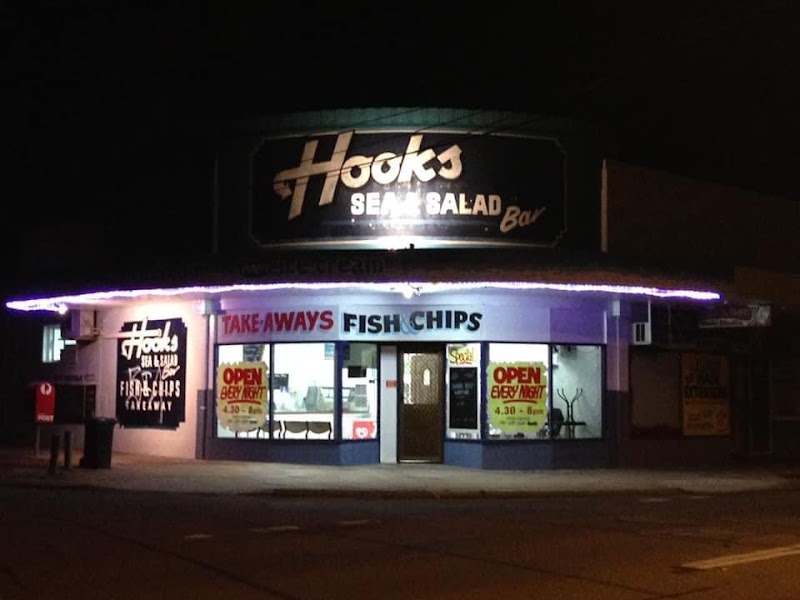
[{"x": 100, "y": 543}]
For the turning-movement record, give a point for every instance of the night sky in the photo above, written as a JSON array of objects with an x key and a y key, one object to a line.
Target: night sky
[{"x": 108, "y": 105}]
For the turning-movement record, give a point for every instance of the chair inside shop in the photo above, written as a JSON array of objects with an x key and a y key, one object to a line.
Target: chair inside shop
[
  {"x": 275, "y": 426},
  {"x": 556, "y": 420},
  {"x": 320, "y": 428},
  {"x": 295, "y": 427}
]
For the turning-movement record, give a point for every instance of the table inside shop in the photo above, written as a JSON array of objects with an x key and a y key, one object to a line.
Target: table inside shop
[
  {"x": 303, "y": 424},
  {"x": 569, "y": 428}
]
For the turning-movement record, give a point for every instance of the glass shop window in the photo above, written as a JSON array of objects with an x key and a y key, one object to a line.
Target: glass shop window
[
  {"x": 303, "y": 390},
  {"x": 242, "y": 391},
  {"x": 360, "y": 391},
  {"x": 463, "y": 391},
  {"x": 53, "y": 344},
  {"x": 576, "y": 404},
  {"x": 517, "y": 395}
]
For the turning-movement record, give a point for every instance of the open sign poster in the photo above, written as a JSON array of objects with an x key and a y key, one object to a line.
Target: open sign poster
[
  {"x": 517, "y": 395},
  {"x": 242, "y": 395}
]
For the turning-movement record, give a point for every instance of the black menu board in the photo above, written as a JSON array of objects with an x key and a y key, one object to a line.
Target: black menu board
[{"x": 463, "y": 397}]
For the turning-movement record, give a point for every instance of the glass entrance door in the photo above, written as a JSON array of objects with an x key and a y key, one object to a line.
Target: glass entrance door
[{"x": 421, "y": 403}]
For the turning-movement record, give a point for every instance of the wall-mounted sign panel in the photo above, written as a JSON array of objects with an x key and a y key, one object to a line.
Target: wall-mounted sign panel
[
  {"x": 45, "y": 402},
  {"x": 463, "y": 398},
  {"x": 720, "y": 317},
  {"x": 151, "y": 373},
  {"x": 384, "y": 323},
  {"x": 434, "y": 189},
  {"x": 705, "y": 392}
]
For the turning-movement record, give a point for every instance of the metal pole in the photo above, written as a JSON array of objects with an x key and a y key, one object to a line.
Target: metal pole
[
  {"x": 67, "y": 449},
  {"x": 54, "y": 441}
]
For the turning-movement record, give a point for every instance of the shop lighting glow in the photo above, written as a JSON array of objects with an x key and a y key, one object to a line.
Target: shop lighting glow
[{"x": 62, "y": 303}]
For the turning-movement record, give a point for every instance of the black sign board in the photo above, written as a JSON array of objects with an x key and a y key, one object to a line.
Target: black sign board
[
  {"x": 439, "y": 187},
  {"x": 463, "y": 397},
  {"x": 151, "y": 374}
]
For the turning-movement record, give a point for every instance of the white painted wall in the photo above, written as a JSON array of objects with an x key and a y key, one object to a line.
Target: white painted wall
[
  {"x": 388, "y": 415},
  {"x": 180, "y": 442}
]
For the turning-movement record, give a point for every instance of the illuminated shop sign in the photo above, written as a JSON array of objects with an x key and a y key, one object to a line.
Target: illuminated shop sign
[
  {"x": 413, "y": 322},
  {"x": 270, "y": 321},
  {"x": 151, "y": 373},
  {"x": 353, "y": 322},
  {"x": 351, "y": 186},
  {"x": 297, "y": 324}
]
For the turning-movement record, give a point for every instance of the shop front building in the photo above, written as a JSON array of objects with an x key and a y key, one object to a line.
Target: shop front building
[
  {"x": 406, "y": 286},
  {"x": 445, "y": 377}
]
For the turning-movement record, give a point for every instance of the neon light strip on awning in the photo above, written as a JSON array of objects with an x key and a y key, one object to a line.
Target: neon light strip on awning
[{"x": 59, "y": 303}]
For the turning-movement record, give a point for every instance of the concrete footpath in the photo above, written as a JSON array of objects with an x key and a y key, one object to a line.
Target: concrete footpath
[{"x": 22, "y": 468}]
